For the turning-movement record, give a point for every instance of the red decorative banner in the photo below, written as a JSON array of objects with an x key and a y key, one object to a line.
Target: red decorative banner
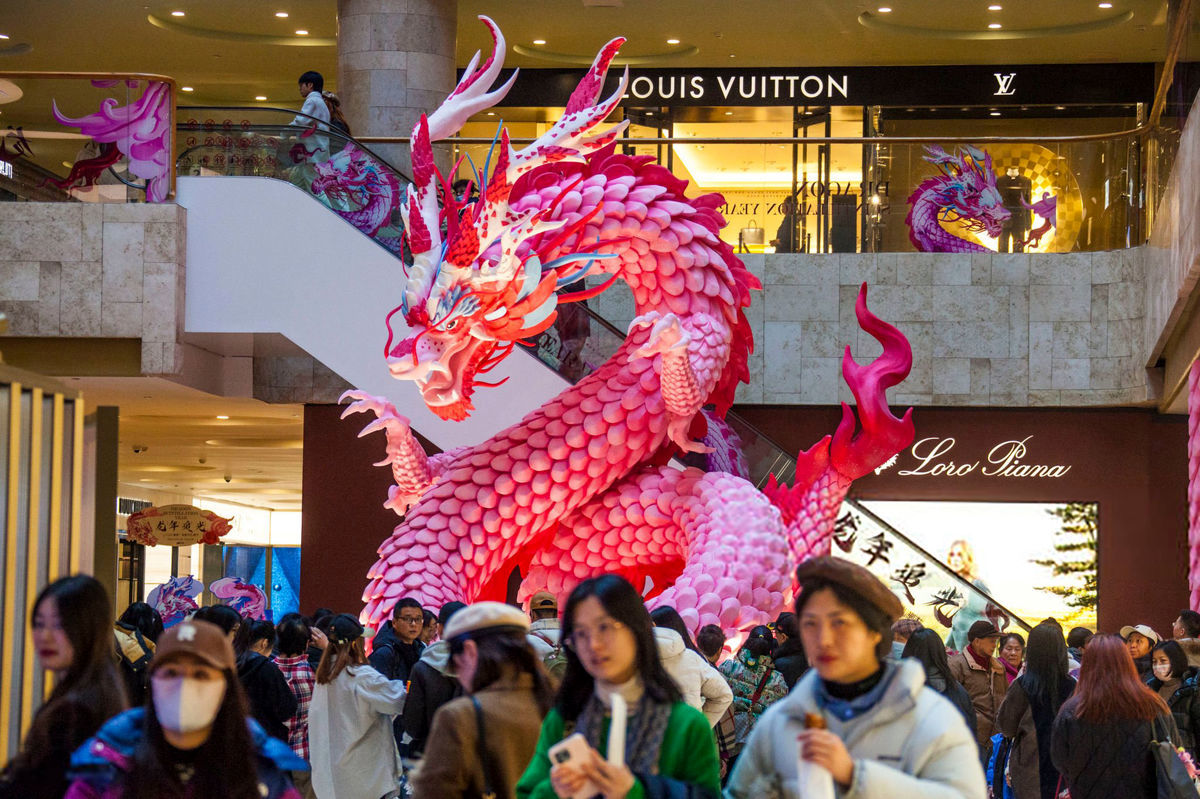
[{"x": 176, "y": 526}]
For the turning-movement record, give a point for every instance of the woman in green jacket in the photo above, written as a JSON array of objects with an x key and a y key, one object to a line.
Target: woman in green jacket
[{"x": 669, "y": 746}]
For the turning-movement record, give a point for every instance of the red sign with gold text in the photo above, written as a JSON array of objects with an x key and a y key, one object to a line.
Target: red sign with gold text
[{"x": 176, "y": 526}]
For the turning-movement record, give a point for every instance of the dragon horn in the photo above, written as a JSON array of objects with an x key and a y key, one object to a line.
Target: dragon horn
[{"x": 471, "y": 95}]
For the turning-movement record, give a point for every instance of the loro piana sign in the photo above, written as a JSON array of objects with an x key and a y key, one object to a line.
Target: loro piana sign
[
  {"x": 176, "y": 526},
  {"x": 936, "y": 456}
]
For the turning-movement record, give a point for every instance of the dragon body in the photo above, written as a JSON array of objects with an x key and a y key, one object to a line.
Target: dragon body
[{"x": 582, "y": 485}]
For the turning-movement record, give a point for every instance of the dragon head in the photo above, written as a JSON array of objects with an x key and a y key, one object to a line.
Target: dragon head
[
  {"x": 483, "y": 276},
  {"x": 966, "y": 189}
]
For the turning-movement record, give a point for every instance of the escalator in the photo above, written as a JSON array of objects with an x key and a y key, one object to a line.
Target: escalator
[{"x": 273, "y": 261}]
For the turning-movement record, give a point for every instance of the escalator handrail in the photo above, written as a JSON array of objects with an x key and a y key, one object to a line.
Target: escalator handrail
[{"x": 332, "y": 131}]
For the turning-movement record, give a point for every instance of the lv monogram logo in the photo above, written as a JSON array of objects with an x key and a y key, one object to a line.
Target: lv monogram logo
[{"x": 1004, "y": 84}]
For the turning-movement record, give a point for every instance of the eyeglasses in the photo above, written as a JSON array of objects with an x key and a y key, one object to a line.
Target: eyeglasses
[
  {"x": 412, "y": 619},
  {"x": 604, "y": 631}
]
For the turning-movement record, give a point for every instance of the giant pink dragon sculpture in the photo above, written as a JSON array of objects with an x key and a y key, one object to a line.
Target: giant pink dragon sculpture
[{"x": 581, "y": 485}]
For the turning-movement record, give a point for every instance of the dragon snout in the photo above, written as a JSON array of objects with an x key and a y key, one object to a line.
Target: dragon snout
[{"x": 419, "y": 359}]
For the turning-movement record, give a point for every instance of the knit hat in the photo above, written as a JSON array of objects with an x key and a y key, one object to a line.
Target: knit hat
[
  {"x": 486, "y": 616},
  {"x": 200, "y": 639},
  {"x": 854, "y": 578}
]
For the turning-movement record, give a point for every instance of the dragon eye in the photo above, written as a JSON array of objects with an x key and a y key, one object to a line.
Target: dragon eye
[{"x": 451, "y": 325}]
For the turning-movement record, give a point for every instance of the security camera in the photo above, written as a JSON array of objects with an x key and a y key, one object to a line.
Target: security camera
[
  {"x": 138, "y": 449},
  {"x": 228, "y": 478}
]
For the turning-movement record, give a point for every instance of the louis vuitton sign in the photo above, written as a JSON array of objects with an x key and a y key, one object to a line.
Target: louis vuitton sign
[{"x": 937, "y": 456}]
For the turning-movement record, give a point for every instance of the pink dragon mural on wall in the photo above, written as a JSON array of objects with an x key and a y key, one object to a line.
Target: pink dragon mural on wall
[
  {"x": 964, "y": 192},
  {"x": 582, "y": 485},
  {"x": 140, "y": 131}
]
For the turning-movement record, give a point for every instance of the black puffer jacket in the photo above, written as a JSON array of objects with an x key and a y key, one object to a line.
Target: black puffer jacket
[
  {"x": 272, "y": 702},
  {"x": 1185, "y": 707},
  {"x": 790, "y": 661},
  {"x": 1106, "y": 761}
]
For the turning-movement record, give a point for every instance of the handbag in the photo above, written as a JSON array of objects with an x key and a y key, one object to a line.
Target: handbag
[
  {"x": 1172, "y": 777},
  {"x": 481, "y": 745},
  {"x": 745, "y": 721}
]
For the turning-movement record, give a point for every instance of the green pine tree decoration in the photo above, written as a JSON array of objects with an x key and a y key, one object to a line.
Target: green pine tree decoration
[{"x": 1078, "y": 536}]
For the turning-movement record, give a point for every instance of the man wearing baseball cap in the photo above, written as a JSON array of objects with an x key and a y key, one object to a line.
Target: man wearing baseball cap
[
  {"x": 977, "y": 668},
  {"x": 1139, "y": 640},
  {"x": 545, "y": 631}
]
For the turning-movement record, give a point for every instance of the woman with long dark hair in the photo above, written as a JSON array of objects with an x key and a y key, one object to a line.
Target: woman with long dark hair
[
  {"x": 610, "y": 648},
  {"x": 508, "y": 695},
  {"x": 702, "y": 686},
  {"x": 868, "y": 721},
  {"x": 926, "y": 647},
  {"x": 1026, "y": 716},
  {"x": 73, "y": 640},
  {"x": 143, "y": 618},
  {"x": 192, "y": 738},
  {"x": 1100, "y": 738},
  {"x": 351, "y": 745},
  {"x": 1176, "y": 683}
]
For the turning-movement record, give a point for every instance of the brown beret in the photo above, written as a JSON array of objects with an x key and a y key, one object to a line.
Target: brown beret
[{"x": 852, "y": 577}]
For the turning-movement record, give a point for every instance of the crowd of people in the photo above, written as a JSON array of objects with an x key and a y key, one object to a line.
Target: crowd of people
[{"x": 844, "y": 694}]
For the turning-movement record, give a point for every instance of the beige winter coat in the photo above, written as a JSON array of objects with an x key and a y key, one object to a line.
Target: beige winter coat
[{"x": 986, "y": 685}]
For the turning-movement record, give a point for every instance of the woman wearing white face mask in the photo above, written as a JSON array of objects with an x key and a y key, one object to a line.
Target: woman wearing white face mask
[
  {"x": 1179, "y": 686},
  {"x": 193, "y": 737}
]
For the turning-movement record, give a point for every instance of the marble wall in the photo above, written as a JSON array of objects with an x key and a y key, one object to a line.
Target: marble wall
[
  {"x": 91, "y": 270},
  {"x": 986, "y": 329}
]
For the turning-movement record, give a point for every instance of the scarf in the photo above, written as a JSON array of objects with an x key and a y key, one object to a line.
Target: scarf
[
  {"x": 644, "y": 730},
  {"x": 1010, "y": 671},
  {"x": 847, "y": 700}
]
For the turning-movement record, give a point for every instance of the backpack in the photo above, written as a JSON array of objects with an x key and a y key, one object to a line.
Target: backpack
[{"x": 555, "y": 660}]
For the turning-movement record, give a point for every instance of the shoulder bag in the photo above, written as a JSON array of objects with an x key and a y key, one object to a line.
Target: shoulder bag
[
  {"x": 489, "y": 781},
  {"x": 1172, "y": 777}
]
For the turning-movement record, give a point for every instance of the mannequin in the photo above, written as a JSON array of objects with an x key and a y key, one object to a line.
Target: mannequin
[{"x": 1015, "y": 190}]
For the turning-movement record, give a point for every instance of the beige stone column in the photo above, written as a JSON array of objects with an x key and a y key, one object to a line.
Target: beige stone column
[{"x": 395, "y": 62}]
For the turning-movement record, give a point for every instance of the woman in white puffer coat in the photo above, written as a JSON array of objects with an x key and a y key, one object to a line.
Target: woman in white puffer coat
[{"x": 702, "y": 686}]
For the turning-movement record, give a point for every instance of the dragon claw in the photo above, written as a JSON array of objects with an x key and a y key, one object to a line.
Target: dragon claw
[
  {"x": 677, "y": 430},
  {"x": 667, "y": 335}
]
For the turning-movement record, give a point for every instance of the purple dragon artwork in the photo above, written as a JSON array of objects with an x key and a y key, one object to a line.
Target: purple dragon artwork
[
  {"x": 175, "y": 599},
  {"x": 141, "y": 131},
  {"x": 964, "y": 192},
  {"x": 361, "y": 191}
]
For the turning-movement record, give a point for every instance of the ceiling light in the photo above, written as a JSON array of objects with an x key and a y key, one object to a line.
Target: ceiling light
[
  {"x": 649, "y": 113},
  {"x": 177, "y": 13},
  {"x": 994, "y": 7},
  {"x": 3, "y": 35},
  {"x": 672, "y": 41},
  {"x": 259, "y": 98},
  {"x": 731, "y": 55},
  {"x": 539, "y": 41},
  {"x": 884, "y": 10},
  {"x": 1106, "y": 5},
  {"x": 281, "y": 14},
  {"x": 995, "y": 25},
  {"x": 222, "y": 416},
  {"x": 301, "y": 33},
  {"x": 728, "y": 113},
  {"x": 994, "y": 113},
  {"x": 1060, "y": 108},
  {"x": 186, "y": 89},
  {"x": 491, "y": 113}
]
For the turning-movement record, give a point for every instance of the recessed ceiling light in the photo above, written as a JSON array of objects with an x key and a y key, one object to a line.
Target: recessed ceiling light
[
  {"x": 728, "y": 113},
  {"x": 1106, "y": 5},
  {"x": 1060, "y": 108},
  {"x": 649, "y": 113},
  {"x": 731, "y": 55},
  {"x": 281, "y": 14},
  {"x": 491, "y": 113},
  {"x": 884, "y": 10},
  {"x": 995, "y": 7},
  {"x": 3, "y": 35},
  {"x": 539, "y": 41},
  {"x": 672, "y": 41},
  {"x": 302, "y": 33},
  {"x": 995, "y": 25},
  {"x": 177, "y": 13},
  {"x": 186, "y": 89},
  {"x": 259, "y": 97},
  {"x": 222, "y": 416},
  {"x": 994, "y": 113}
]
